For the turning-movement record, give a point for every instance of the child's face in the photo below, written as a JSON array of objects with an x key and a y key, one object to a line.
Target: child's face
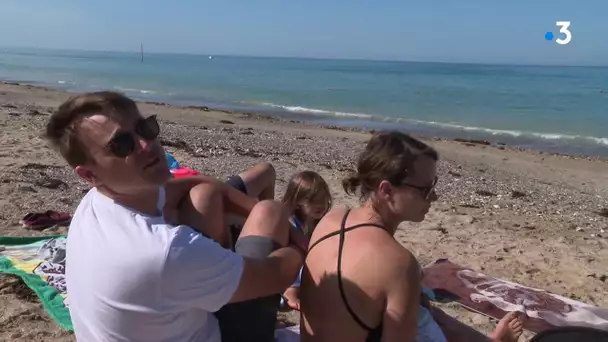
[{"x": 314, "y": 209}]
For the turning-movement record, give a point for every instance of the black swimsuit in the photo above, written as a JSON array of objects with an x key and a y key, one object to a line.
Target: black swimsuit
[{"x": 374, "y": 334}]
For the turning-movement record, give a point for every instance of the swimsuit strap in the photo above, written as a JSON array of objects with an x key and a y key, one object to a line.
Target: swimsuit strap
[
  {"x": 338, "y": 232},
  {"x": 342, "y": 233}
]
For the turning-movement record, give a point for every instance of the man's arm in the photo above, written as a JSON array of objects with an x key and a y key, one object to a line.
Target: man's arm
[
  {"x": 259, "y": 278},
  {"x": 403, "y": 298},
  {"x": 235, "y": 202},
  {"x": 200, "y": 273},
  {"x": 269, "y": 276}
]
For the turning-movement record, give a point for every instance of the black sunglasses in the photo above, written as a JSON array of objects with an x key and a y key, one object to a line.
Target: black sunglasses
[
  {"x": 426, "y": 190},
  {"x": 123, "y": 143}
]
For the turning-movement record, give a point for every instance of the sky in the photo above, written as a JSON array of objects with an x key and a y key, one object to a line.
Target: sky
[{"x": 473, "y": 31}]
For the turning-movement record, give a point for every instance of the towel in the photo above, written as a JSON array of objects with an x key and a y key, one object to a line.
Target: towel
[
  {"x": 40, "y": 262},
  {"x": 496, "y": 297}
]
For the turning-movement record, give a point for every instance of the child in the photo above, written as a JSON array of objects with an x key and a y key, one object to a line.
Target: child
[{"x": 310, "y": 199}]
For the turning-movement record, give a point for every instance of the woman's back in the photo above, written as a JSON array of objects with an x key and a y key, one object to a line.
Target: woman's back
[
  {"x": 360, "y": 284},
  {"x": 349, "y": 304}
]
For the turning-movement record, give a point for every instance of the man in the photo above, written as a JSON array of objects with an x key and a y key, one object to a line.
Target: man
[{"x": 132, "y": 276}]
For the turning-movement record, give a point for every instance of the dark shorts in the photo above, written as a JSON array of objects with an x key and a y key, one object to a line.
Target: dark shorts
[
  {"x": 236, "y": 182},
  {"x": 252, "y": 320}
]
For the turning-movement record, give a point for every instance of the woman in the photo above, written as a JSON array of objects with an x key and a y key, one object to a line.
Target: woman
[{"x": 359, "y": 283}]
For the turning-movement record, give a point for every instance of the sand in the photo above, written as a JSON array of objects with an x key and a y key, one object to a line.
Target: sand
[{"x": 525, "y": 216}]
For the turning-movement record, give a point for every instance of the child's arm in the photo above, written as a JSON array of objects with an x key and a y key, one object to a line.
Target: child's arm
[{"x": 298, "y": 238}]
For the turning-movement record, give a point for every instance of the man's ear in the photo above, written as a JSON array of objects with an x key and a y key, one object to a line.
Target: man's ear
[{"x": 86, "y": 174}]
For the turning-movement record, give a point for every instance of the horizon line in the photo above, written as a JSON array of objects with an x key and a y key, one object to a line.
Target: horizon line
[{"x": 301, "y": 57}]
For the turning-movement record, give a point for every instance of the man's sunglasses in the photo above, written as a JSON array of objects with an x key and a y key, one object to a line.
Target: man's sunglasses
[
  {"x": 124, "y": 143},
  {"x": 426, "y": 190}
]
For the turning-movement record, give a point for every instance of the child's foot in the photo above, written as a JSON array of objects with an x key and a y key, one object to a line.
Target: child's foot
[
  {"x": 294, "y": 304},
  {"x": 508, "y": 329},
  {"x": 292, "y": 298}
]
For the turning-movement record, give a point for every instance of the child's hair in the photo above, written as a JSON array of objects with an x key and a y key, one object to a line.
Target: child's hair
[
  {"x": 387, "y": 156},
  {"x": 307, "y": 186}
]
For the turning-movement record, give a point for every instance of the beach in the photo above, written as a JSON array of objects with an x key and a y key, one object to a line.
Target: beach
[{"x": 538, "y": 219}]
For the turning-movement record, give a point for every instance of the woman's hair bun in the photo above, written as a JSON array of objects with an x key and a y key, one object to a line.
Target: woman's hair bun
[{"x": 351, "y": 183}]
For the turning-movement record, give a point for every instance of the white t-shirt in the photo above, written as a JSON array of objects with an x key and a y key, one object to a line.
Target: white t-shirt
[{"x": 134, "y": 277}]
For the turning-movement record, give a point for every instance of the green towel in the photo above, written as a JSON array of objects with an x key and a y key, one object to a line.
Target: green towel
[{"x": 19, "y": 256}]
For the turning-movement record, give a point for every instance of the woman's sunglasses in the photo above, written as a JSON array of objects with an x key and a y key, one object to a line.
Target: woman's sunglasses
[
  {"x": 123, "y": 143},
  {"x": 425, "y": 190}
]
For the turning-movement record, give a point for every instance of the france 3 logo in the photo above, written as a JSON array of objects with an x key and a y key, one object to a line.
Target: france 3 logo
[{"x": 564, "y": 29}]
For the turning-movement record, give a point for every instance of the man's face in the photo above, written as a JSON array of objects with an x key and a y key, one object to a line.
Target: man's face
[{"x": 126, "y": 156}]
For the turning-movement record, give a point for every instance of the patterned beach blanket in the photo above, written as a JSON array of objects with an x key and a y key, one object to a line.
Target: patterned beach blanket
[
  {"x": 40, "y": 262},
  {"x": 495, "y": 297}
]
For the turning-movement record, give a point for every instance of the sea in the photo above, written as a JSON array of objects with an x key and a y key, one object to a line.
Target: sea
[{"x": 562, "y": 109}]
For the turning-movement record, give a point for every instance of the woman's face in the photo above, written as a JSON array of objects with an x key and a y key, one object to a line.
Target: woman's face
[{"x": 412, "y": 200}]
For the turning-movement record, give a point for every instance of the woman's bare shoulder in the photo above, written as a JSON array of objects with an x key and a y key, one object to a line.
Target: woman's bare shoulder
[
  {"x": 336, "y": 212},
  {"x": 400, "y": 260},
  {"x": 332, "y": 219}
]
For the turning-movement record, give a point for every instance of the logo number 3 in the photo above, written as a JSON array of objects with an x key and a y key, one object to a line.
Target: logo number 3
[{"x": 564, "y": 29}]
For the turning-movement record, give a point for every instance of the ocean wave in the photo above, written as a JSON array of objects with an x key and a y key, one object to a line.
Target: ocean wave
[
  {"x": 298, "y": 109},
  {"x": 441, "y": 125},
  {"x": 469, "y": 128},
  {"x": 546, "y": 136},
  {"x": 141, "y": 91},
  {"x": 63, "y": 82}
]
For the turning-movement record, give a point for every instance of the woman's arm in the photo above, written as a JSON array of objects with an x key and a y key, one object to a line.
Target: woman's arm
[{"x": 403, "y": 298}]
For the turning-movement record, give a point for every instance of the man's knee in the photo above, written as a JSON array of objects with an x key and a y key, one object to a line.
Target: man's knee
[
  {"x": 202, "y": 193},
  {"x": 268, "y": 170},
  {"x": 268, "y": 209},
  {"x": 204, "y": 212},
  {"x": 269, "y": 217}
]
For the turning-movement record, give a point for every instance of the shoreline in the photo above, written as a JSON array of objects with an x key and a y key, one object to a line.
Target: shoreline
[
  {"x": 327, "y": 122},
  {"x": 550, "y": 143}
]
